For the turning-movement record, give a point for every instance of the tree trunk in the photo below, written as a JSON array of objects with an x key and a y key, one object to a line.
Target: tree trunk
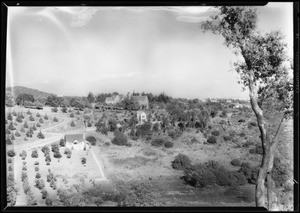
[{"x": 260, "y": 183}]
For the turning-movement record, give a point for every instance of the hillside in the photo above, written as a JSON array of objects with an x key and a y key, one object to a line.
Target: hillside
[{"x": 17, "y": 90}]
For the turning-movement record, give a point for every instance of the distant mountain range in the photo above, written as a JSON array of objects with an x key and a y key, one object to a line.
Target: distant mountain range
[{"x": 17, "y": 90}]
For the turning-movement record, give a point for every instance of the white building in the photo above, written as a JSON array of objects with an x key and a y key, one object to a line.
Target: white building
[
  {"x": 141, "y": 116},
  {"x": 75, "y": 142}
]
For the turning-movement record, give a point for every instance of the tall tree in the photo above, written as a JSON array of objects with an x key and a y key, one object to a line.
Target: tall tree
[
  {"x": 263, "y": 71},
  {"x": 91, "y": 97}
]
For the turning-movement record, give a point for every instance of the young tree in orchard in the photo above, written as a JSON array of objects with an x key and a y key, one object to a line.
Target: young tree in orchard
[{"x": 263, "y": 70}]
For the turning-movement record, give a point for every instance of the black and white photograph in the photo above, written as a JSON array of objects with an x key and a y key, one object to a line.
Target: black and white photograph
[{"x": 150, "y": 106}]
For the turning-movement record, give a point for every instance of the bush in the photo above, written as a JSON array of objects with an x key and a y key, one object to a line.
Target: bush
[
  {"x": 120, "y": 139},
  {"x": 11, "y": 153},
  {"x": 55, "y": 147},
  {"x": 38, "y": 115},
  {"x": 241, "y": 120},
  {"x": 41, "y": 120},
  {"x": 11, "y": 126},
  {"x": 44, "y": 193},
  {"x": 169, "y": 144},
  {"x": 51, "y": 177},
  {"x": 48, "y": 201},
  {"x": 72, "y": 115},
  {"x": 23, "y": 155},
  {"x": 57, "y": 155},
  {"x": 54, "y": 109},
  {"x": 37, "y": 168},
  {"x": 223, "y": 177},
  {"x": 25, "y": 125},
  {"x": 55, "y": 119},
  {"x": 9, "y": 160},
  {"x": 83, "y": 161},
  {"x": 181, "y": 162},
  {"x": 279, "y": 172},
  {"x": 236, "y": 162},
  {"x": 46, "y": 150},
  {"x": 62, "y": 142},
  {"x": 28, "y": 112},
  {"x": 47, "y": 158},
  {"x": 68, "y": 151},
  {"x": 9, "y": 117},
  {"x": 10, "y": 168},
  {"x": 224, "y": 114},
  {"x": 37, "y": 175},
  {"x": 212, "y": 139},
  {"x": 19, "y": 119},
  {"x": 36, "y": 163},
  {"x": 23, "y": 176},
  {"x": 40, "y": 135},
  {"x": 24, "y": 168},
  {"x": 39, "y": 183},
  {"x": 227, "y": 138},
  {"x": 34, "y": 153},
  {"x": 215, "y": 133},
  {"x": 72, "y": 124},
  {"x": 198, "y": 176},
  {"x": 250, "y": 173},
  {"x": 34, "y": 127},
  {"x": 46, "y": 117},
  {"x": 17, "y": 134},
  {"x": 242, "y": 134},
  {"x": 158, "y": 142},
  {"x": 256, "y": 150},
  {"x": 91, "y": 139},
  {"x": 26, "y": 186},
  {"x": 31, "y": 118},
  {"x": 8, "y": 141}
]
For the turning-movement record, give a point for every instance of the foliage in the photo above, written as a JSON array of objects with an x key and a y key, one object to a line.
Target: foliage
[
  {"x": 83, "y": 160},
  {"x": 48, "y": 201},
  {"x": 25, "y": 125},
  {"x": 55, "y": 119},
  {"x": 120, "y": 139},
  {"x": 72, "y": 115},
  {"x": 37, "y": 175},
  {"x": 144, "y": 129},
  {"x": 198, "y": 176},
  {"x": 158, "y": 142},
  {"x": 91, "y": 97},
  {"x": 215, "y": 133},
  {"x": 72, "y": 124},
  {"x": 45, "y": 149},
  {"x": 250, "y": 172},
  {"x": 41, "y": 120},
  {"x": 11, "y": 153},
  {"x": 39, "y": 183},
  {"x": 91, "y": 139},
  {"x": 212, "y": 139},
  {"x": 280, "y": 173},
  {"x": 34, "y": 153},
  {"x": 11, "y": 126},
  {"x": 181, "y": 162},
  {"x": 256, "y": 150},
  {"x": 236, "y": 162},
  {"x": 24, "y": 97},
  {"x": 62, "y": 142},
  {"x": 53, "y": 101},
  {"x": 169, "y": 144},
  {"x": 23, "y": 155},
  {"x": 40, "y": 135},
  {"x": 46, "y": 117},
  {"x": 54, "y": 109}
]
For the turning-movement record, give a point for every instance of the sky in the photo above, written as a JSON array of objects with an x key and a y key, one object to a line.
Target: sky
[{"x": 76, "y": 50}]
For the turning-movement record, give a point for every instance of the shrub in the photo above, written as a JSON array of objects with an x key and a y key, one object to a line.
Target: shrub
[
  {"x": 41, "y": 120},
  {"x": 91, "y": 139},
  {"x": 40, "y": 135},
  {"x": 23, "y": 176},
  {"x": 181, "y": 162},
  {"x": 72, "y": 124},
  {"x": 34, "y": 153},
  {"x": 53, "y": 184},
  {"x": 48, "y": 201},
  {"x": 72, "y": 115},
  {"x": 250, "y": 173},
  {"x": 19, "y": 119},
  {"x": 89, "y": 124},
  {"x": 8, "y": 141},
  {"x": 169, "y": 144},
  {"x": 252, "y": 123},
  {"x": 38, "y": 115},
  {"x": 12, "y": 137},
  {"x": 9, "y": 168},
  {"x": 24, "y": 168},
  {"x": 28, "y": 112},
  {"x": 23, "y": 155},
  {"x": 241, "y": 120},
  {"x": 39, "y": 183},
  {"x": 158, "y": 142},
  {"x": 77, "y": 113},
  {"x": 45, "y": 149},
  {"x": 11, "y": 126},
  {"x": 68, "y": 151},
  {"x": 38, "y": 176},
  {"x": 44, "y": 193},
  {"x": 51, "y": 177},
  {"x": 238, "y": 179},
  {"x": 37, "y": 168},
  {"x": 83, "y": 160},
  {"x": 25, "y": 125},
  {"x": 236, "y": 162},
  {"x": 212, "y": 165},
  {"x": 223, "y": 177},
  {"x": 224, "y": 114},
  {"x": 55, "y": 147},
  {"x": 9, "y": 160},
  {"x": 11, "y": 153},
  {"x": 34, "y": 127},
  {"x": 215, "y": 133},
  {"x": 55, "y": 119},
  {"x": 47, "y": 158},
  {"x": 198, "y": 176},
  {"x": 213, "y": 113},
  {"x": 24, "y": 162},
  {"x": 227, "y": 137},
  {"x": 17, "y": 134},
  {"x": 9, "y": 116},
  {"x": 62, "y": 142},
  {"x": 26, "y": 186},
  {"x": 25, "y": 139},
  {"x": 256, "y": 150},
  {"x": 36, "y": 163},
  {"x": 120, "y": 139},
  {"x": 212, "y": 139},
  {"x": 54, "y": 109},
  {"x": 31, "y": 118},
  {"x": 242, "y": 134},
  {"x": 57, "y": 155},
  {"x": 279, "y": 173},
  {"x": 7, "y": 131}
]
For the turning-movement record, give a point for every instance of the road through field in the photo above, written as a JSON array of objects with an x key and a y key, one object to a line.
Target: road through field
[{"x": 98, "y": 162}]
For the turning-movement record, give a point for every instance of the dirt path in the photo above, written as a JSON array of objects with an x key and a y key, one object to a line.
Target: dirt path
[{"x": 99, "y": 162}]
